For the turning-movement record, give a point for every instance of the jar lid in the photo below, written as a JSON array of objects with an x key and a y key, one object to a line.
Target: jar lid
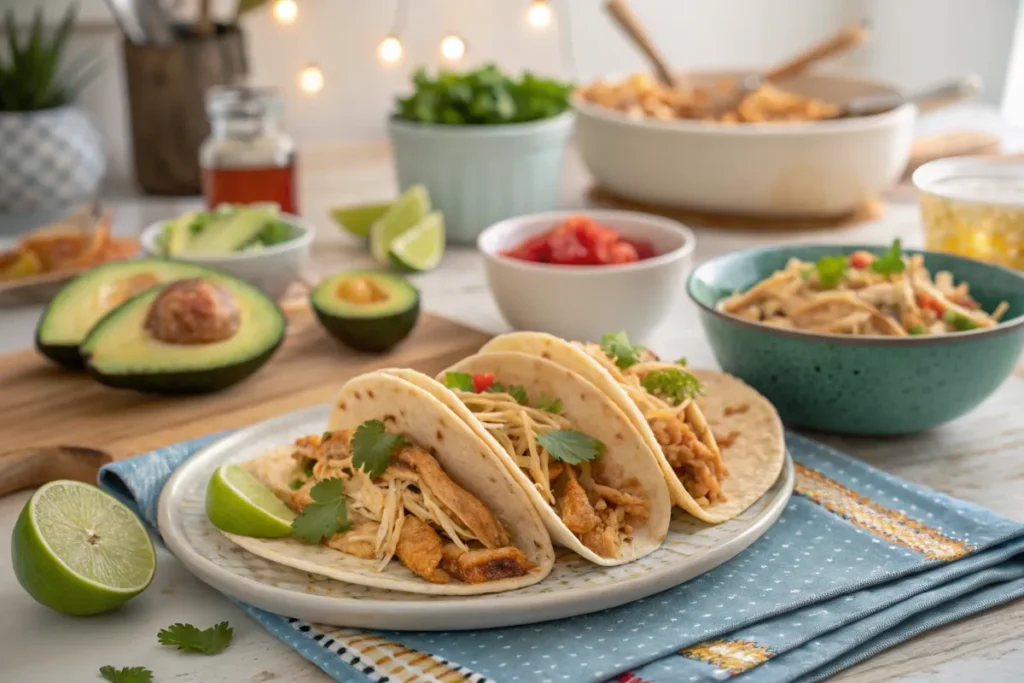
[
  {"x": 242, "y": 101},
  {"x": 974, "y": 179}
]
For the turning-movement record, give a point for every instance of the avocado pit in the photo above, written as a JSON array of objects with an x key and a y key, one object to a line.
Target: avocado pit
[
  {"x": 193, "y": 311},
  {"x": 366, "y": 310},
  {"x": 360, "y": 289}
]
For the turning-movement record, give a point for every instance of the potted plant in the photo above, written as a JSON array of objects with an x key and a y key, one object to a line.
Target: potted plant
[
  {"x": 487, "y": 146},
  {"x": 51, "y": 155}
]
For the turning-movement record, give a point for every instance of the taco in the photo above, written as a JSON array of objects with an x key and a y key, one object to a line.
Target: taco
[
  {"x": 586, "y": 469},
  {"x": 425, "y": 505},
  {"x": 667, "y": 404}
]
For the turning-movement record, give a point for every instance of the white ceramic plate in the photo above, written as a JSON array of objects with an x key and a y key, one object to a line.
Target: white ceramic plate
[{"x": 574, "y": 586}]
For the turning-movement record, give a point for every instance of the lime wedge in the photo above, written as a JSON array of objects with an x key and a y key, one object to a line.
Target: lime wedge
[
  {"x": 239, "y": 503},
  {"x": 358, "y": 219},
  {"x": 421, "y": 247},
  {"x": 80, "y": 551},
  {"x": 406, "y": 212}
]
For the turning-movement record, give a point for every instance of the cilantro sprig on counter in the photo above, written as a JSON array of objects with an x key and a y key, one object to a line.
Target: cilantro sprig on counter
[
  {"x": 127, "y": 674},
  {"x": 208, "y": 641},
  {"x": 675, "y": 386},
  {"x": 483, "y": 96},
  {"x": 616, "y": 345},
  {"x": 570, "y": 446}
]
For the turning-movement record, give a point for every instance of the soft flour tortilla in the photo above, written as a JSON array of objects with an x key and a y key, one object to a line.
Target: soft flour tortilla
[
  {"x": 626, "y": 454},
  {"x": 464, "y": 456},
  {"x": 754, "y": 460}
]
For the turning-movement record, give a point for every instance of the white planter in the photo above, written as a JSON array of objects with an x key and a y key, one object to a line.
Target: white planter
[{"x": 49, "y": 160}]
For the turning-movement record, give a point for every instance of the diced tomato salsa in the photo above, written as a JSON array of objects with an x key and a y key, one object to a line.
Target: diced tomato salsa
[{"x": 580, "y": 241}]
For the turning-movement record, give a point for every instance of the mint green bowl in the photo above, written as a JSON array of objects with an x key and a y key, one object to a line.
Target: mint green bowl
[{"x": 862, "y": 385}]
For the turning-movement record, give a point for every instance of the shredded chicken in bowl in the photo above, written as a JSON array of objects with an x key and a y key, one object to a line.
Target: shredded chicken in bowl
[
  {"x": 412, "y": 511},
  {"x": 863, "y": 294}
]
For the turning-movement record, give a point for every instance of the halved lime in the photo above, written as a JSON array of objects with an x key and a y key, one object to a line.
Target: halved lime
[
  {"x": 358, "y": 219},
  {"x": 407, "y": 211},
  {"x": 239, "y": 503},
  {"x": 79, "y": 550},
  {"x": 422, "y": 246}
]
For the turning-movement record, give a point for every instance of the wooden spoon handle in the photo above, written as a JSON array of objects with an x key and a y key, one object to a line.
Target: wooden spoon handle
[
  {"x": 628, "y": 22},
  {"x": 847, "y": 39},
  {"x": 30, "y": 467}
]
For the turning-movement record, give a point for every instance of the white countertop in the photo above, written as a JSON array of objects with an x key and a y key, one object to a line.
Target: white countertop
[{"x": 978, "y": 458}]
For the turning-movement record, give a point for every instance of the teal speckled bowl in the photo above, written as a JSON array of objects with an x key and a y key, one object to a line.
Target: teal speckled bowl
[{"x": 862, "y": 385}]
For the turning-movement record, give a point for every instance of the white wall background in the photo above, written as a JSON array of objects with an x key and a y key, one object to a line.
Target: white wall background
[{"x": 914, "y": 42}]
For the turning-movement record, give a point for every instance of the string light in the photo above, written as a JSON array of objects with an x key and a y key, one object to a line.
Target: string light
[
  {"x": 311, "y": 79},
  {"x": 453, "y": 48},
  {"x": 539, "y": 15},
  {"x": 285, "y": 11},
  {"x": 390, "y": 50}
]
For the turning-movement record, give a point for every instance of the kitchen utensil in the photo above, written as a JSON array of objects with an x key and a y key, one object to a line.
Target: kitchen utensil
[
  {"x": 843, "y": 41},
  {"x": 33, "y": 466},
  {"x": 926, "y": 99},
  {"x": 626, "y": 20}
]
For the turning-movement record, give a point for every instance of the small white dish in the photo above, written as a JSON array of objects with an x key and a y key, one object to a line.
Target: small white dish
[
  {"x": 584, "y": 302},
  {"x": 272, "y": 269},
  {"x": 574, "y": 586}
]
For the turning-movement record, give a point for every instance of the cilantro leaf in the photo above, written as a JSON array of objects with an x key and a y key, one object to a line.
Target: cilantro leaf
[
  {"x": 570, "y": 446},
  {"x": 676, "y": 386},
  {"x": 128, "y": 674},
  {"x": 462, "y": 381},
  {"x": 549, "y": 404},
  {"x": 917, "y": 329},
  {"x": 518, "y": 392},
  {"x": 682, "y": 361},
  {"x": 209, "y": 641},
  {"x": 959, "y": 322},
  {"x": 616, "y": 345},
  {"x": 372, "y": 447},
  {"x": 830, "y": 270},
  {"x": 326, "y": 515},
  {"x": 891, "y": 261}
]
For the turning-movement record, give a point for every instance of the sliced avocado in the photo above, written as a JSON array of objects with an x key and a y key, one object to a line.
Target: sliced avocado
[
  {"x": 233, "y": 231},
  {"x": 179, "y": 234},
  {"x": 367, "y": 310},
  {"x": 90, "y": 296},
  {"x": 132, "y": 348}
]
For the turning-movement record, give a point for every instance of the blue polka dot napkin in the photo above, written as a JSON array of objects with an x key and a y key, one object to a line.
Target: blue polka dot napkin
[{"x": 858, "y": 562}]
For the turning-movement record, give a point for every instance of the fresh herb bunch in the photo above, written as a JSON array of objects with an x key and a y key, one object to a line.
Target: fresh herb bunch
[
  {"x": 31, "y": 77},
  {"x": 485, "y": 96}
]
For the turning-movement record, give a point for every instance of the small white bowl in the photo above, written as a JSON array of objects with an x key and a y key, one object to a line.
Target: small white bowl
[
  {"x": 781, "y": 170},
  {"x": 584, "y": 302},
  {"x": 271, "y": 269}
]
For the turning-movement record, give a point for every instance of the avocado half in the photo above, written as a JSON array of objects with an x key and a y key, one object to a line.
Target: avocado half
[
  {"x": 367, "y": 310},
  {"x": 121, "y": 352},
  {"x": 80, "y": 304}
]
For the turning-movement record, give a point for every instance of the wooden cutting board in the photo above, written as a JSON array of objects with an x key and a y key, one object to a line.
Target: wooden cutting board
[{"x": 41, "y": 405}]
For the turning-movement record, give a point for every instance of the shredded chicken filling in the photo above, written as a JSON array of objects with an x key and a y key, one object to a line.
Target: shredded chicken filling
[
  {"x": 682, "y": 432},
  {"x": 413, "y": 511},
  {"x": 601, "y": 514},
  {"x": 862, "y": 301}
]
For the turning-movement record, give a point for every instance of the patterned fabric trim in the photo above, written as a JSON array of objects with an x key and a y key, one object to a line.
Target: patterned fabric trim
[
  {"x": 734, "y": 656},
  {"x": 892, "y": 525},
  {"x": 385, "y": 661}
]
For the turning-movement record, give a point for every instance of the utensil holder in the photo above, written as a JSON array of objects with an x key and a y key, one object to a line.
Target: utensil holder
[{"x": 167, "y": 85}]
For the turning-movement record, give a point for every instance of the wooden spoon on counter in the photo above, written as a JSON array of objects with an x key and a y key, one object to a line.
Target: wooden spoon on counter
[
  {"x": 624, "y": 18},
  {"x": 30, "y": 467}
]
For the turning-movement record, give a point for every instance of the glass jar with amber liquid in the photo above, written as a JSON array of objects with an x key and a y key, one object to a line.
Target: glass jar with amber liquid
[{"x": 248, "y": 157}]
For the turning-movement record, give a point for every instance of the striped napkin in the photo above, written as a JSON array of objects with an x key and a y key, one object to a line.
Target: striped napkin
[{"x": 858, "y": 562}]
